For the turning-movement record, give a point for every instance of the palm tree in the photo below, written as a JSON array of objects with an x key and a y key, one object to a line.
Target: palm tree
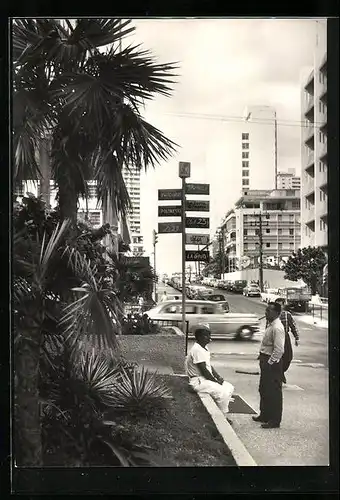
[{"x": 87, "y": 101}]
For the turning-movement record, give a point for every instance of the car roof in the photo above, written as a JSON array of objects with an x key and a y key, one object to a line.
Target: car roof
[{"x": 190, "y": 301}]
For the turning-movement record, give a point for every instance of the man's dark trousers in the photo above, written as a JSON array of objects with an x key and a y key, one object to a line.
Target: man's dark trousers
[{"x": 270, "y": 390}]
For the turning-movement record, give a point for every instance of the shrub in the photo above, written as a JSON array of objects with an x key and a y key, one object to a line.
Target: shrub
[{"x": 138, "y": 324}]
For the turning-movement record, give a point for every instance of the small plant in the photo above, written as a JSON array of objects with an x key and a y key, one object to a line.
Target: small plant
[
  {"x": 139, "y": 392},
  {"x": 138, "y": 324}
]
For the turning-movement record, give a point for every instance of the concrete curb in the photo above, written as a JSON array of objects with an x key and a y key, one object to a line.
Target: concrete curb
[{"x": 239, "y": 452}]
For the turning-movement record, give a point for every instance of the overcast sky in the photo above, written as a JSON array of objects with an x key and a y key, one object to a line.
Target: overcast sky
[{"x": 224, "y": 65}]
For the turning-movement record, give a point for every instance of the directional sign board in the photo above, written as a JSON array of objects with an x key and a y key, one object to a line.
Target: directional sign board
[
  {"x": 197, "y": 188},
  {"x": 170, "y": 211},
  {"x": 169, "y": 227},
  {"x": 197, "y": 222},
  {"x": 196, "y": 239},
  {"x": 169, "y": 194},
  {"x": 197, "y": 206},
  {"x": 184, "y": 169},
  {"x": 197, "y": 256}
]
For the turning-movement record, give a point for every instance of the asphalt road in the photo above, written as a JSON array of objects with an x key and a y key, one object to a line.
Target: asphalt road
[{"x": 313, "y": 346}]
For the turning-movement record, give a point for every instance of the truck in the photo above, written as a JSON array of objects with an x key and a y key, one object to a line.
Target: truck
[{"x": 294, "y": 298}]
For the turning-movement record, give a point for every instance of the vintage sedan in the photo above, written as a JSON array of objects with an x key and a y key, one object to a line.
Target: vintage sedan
[
  {"x": 222, "y": 323},
  {"x": 252, "y": 290}
]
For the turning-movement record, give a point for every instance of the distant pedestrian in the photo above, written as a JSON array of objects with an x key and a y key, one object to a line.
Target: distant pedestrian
[
  {"x": 271, "y": 352},
  {"x": 202, "y": 376},
  {"x": 141, "y": 304},
  {"x": 288, "y": 322},
  {"x": 176, "y": 297},
  {"x": 164, "y": 297}
]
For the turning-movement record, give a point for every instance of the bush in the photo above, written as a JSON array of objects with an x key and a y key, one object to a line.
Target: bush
[{"x": 139, "y": 324}]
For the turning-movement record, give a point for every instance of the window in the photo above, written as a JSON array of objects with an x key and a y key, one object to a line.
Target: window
[
  {"x": 245, "y": 182},
  {"x": 291, "y": 232},
  {"x": 267, "y": 245},
  {"x": 291, "y": 245},
  {"x": 323, "y": 195},
  {"x": 245, "y": 232},
  {"x": 256, "y": 232},
  {"x": 280, "y": 231},
  {"x": 245, "y": 154},
  {"x": 245, "y": 145},
  {"x": 296, "y": 204},
  {"x": 322, "y": 138},
  {"x": 245, "y": 137},
  {"x": 280, "y": 246},
  {"x": 245, "y": 173},
  {"x": 267, "y": 231},
  {"x": 245, "y": 247},
  {"x": 279, "y": 217},
  {"x": 245, "y": 164},
  {"x": 291, "y": 217}
]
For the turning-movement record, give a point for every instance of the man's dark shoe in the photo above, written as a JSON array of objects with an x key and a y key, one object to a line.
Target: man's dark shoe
[
  {"x": 259, "y": 419},
  {"x": 270, "y": 425}
]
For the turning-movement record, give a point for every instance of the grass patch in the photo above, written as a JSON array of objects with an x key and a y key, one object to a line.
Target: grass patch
[{"x": 185, "y": 435}]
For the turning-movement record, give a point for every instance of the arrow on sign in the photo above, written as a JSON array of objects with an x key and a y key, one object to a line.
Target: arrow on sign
[
  {"x": 197, "y": 255},
  {"x": 169, "y": 227}
]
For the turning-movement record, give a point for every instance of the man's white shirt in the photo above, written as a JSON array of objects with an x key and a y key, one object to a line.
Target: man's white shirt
[{"x": 197, "y": 354}]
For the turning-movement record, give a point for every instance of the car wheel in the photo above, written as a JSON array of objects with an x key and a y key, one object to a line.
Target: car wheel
[{"x": 244, "y": 333}]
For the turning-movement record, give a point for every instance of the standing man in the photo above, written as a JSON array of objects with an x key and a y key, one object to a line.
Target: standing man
[
  {"x": 288, "y": 322},
  {"x": 202, "y": 376},
  {"x": 271, "y": 352},
  {"x": 164, "y": 297}
]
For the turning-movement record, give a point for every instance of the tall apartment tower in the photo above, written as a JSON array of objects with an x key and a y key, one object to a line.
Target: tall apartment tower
[
  {"x": 257, "y": 157},
  {"x": 288, "y": 180},
  {"x": 131, "y": 177},
  {"x": 314, "y": 211}
]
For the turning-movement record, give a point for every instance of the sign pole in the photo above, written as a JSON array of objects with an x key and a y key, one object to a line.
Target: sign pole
[{"x": 184, "y": 172}]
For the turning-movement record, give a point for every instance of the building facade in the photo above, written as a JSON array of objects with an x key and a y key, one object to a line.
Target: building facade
[
  {"x": 257, "y": 158},
  {"x": 288, "y": 180},
  {"x": 280, "y": 216},
  {"x": 131, "y": 177},
  {"x": 314, "y": 191}
]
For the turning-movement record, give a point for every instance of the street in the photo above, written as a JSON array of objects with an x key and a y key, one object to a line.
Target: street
[{"x": 303, "y": 438}]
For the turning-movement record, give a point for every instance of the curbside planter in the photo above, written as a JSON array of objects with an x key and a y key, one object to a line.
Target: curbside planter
[
  {"x": 239, "y": 452},
  {"x": 158, "y": 350}
]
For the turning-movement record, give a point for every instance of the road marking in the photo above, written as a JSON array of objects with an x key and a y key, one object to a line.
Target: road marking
[
  {"x": 290, "y": 387},
  {"x": 313, "y": 365},
  {"x": 296, "y": 361}
]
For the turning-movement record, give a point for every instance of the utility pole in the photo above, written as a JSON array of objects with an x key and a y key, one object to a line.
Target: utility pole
[
  {"x": 223, "y": 254},
  {"x": 155, "y": 240},
  {"x": 260, "y": 225},
  {"x": 275, "y": 129}
]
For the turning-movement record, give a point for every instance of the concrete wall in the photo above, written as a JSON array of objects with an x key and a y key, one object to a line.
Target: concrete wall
[
  {"x": 272, "y": 278},
  {"x": 161, "y": 350}
]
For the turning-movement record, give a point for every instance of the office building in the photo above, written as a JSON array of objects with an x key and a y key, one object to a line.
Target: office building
[
  {"x": 280, "y": 214},
  {"x": 314, "y": 191},
  {"x": 288, "y": 180},
  {"x": 131, "y": 177},
  {"x": 258, "y": 148}
]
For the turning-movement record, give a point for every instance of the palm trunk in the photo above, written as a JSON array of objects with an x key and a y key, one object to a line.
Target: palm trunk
[
  {"x": 28, "y": 440},
  {"x": 68, "y": 200},
  {"x": 45, "y": 168}
]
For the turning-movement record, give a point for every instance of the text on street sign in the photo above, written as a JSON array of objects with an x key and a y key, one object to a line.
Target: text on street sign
[
  {"x": 169, "y": 227},
  {"x": 197, "y": 188},
  {"x": 184, "y": 169},
  {"x": 169, "y": 194},
  {"x": 196, "y": 239},
  {"x": 197, "y": 255},
  {"x": 197, "y": 222},
  {"x": 197, "y": 206},
  {"x": 170, "y": 211}
]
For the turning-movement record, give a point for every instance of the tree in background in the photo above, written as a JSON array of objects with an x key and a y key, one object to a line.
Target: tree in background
[
  {"x": 76, "y": 87},
  {"x": 214, "y": 266},
  {"x": 307, "y": 264}
]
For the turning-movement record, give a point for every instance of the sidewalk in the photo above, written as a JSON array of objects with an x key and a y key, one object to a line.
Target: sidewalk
[
  {"x": 303, "y": 436},
  {"x": 310, "y": 320}
]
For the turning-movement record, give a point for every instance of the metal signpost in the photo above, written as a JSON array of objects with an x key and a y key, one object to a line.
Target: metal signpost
[{"x": 183, "y": 173}]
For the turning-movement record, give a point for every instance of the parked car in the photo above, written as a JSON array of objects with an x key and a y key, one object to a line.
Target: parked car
[
  {"x": 222, "y": 324},
  {"x": 252, "y": 290},
  {"x": 238, "y": 285},
  {"x": 269, "y": 294}
]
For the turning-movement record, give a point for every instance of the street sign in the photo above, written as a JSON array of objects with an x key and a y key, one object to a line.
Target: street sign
[
  {"x": 196, "y": 239},
  {"x": 197, "y": 188},
  {"x": 197, "y": 255},
  {"x": 169, "y": 227},
  {"x": 170, "y": 211},
  {"x": 197, "y": 222},
  {"x": 184, "y": 169},
  {"x": 169, "y": 194},
  {"x": 197, "y": 206}
]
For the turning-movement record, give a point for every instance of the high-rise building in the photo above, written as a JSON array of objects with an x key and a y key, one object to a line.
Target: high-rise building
[
  {"x": 288, "y": 180},
  {"x": 131, "y": 177},
  {"x": 314, "y": 192},
  {"x": 257, "y": 152},
  {"x": 280, "y": 214}
]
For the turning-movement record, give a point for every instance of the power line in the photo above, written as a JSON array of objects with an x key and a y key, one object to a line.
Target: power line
[{"x": 241, "y": 119}]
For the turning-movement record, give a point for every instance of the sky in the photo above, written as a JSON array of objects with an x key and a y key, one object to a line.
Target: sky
[{"x": 224, "y": 65}]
